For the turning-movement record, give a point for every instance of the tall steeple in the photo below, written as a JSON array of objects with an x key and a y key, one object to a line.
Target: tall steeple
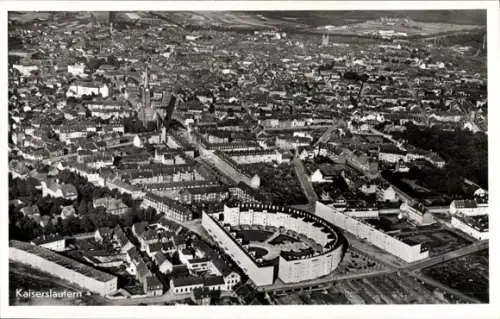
[
  {"x": 145, "y": 96},
  {"x": 146, "y": 78}
]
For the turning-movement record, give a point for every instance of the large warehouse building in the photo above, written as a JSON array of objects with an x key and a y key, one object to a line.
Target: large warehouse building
[
  {"x": 318, "y": 250},
  {"x": 63, "y": 267}
]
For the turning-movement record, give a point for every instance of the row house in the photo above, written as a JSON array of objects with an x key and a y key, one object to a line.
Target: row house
[
  {"x": 446, "y": 117},
  {"x": 123, "y": 187},
  {"x": 186, "y": 285},
  {"x": 169, "y": 157},
  {"x": 282, "y": 122},
  {"x": 390, "y": 153},
  {"x": 292, "y": 142},
  {"x": 111, "y": 128},
  {"x": 104, "y": 105},
  {"x": 68, "y": 133},
  {"x": 255, "y": 156},
  {"x": 78, "y": 89},
  {"x": 235, "y": 146},
  {"x": 33, "y": 154},
  {"x": 468, "y": 207},
  {"x": 141, "y": 159},
  {"x": 98, "y": 161},
  {"x": 204, "y": 194},
  {"x": 309, "y": 152},
  {"x": 168, "y": 207},
  {"x": 432, "y": 157},
  {"x": 474, "y": 226},
  {"x": 155, "y": 177},
  {"x": 244, "y": 193}
]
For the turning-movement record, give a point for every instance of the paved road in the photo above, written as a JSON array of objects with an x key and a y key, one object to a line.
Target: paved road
[
  {"x": 224, "y": 179},
  {"x": 306, "y": 185},
  {"x": 376, "y": 253},
  {"x": 224, "y": 168},
  {"x": 196, "y": 227},
  {"x": 326, "y": 135},
  {"x": 167, "y": 297},
  {"x": 296, "y": 128},
  {"x": 62, "y": 158},
  {"x": 327, "y": 280}
]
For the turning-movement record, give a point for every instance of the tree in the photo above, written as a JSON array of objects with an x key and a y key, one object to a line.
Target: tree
[
  {"x": 215, "y": 296},
  {"x": 86, "y": 191},
  {"x": 49, "y": 228},
  {"x": 150, "y": 214},
  {"x": 99, "y": 192},
  {"x": 83, "y": 208},
  {"x": 93, "y": 64},
  {"x": 29, "y": 229},
  {"x": 198, "y": 293},
  {"x": 44, "y": 205},
  {"x": 55, "y": 209},
  {"x": 129, "y": 218},
  {"x": 86, "y": 224}
]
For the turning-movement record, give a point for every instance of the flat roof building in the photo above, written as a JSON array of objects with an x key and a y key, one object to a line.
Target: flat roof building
[{"x": 63, "y": 267}]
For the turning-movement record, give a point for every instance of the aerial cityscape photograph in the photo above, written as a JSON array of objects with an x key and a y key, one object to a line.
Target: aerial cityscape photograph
[{"x": 163, "y": 158}]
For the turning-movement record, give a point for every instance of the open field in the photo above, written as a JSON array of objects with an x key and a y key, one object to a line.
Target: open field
[
  {"x": 468, "y": 274},
  {"x": 411, "y": 29},
  {"x": 340, "y": 23},
  {"x": 304, "y": 19},
  {"x": 317, "y": 18}
]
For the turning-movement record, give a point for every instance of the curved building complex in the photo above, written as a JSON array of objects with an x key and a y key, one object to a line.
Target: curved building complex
[{"x": 270, "y": 242}]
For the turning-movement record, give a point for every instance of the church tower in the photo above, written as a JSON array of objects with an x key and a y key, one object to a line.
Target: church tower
[{"x": 145, "y": 113}]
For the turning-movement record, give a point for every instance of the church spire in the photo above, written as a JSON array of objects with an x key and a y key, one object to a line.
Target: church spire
[{"x": 146, "y": 78}]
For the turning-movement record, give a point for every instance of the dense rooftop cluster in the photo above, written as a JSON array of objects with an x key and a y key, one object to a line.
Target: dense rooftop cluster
[{"x": 153, "y": 116}]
